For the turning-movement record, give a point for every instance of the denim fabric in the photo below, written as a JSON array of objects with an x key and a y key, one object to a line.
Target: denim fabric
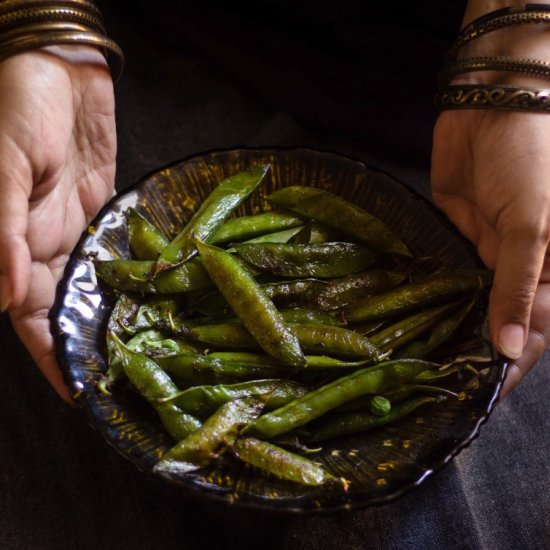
[{"x": 62, "y": 487}]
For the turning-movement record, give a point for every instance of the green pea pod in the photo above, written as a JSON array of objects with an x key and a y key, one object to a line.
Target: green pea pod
[
  {"x": 231, "y": 335},
  {"x": 219, "y": 432},
  {"x": 157, "y": 310},
  {"x": 280, "y": 462},
  {"x": 310, "y": 316},
  {"x": 204, "y": 400},
  {"x": 312, "y": 339},
  {"x": 339, "y": 214},
  {"x": 349, "y": 423},
  {"x": 282, "y": 293},
  {"x": 312, "y": 361},
  {"x": 248, "y": 227},
  {"x": 196, "y": 369},
  {"x": 213, "y": 212},
  {"x": 405, "y": 330},
  {"x": 371, "y": 380},
  {"x": 439, "y": 333},
  {"x": 278, "y": 237},
  {"x": 251, "y": 305},
  {"x": 307, "y": 260},
  {"x": 154, "y": 384},
  {"x": 135, "y": 275},
  {"x": 341, "y": 292},
  {"x": 154, "y": 342},
  {"x": 335, "y": 341},
  {"x": 430, "y": 290},
  {"x": 141, "y": 341},
  {"x": 145, "y": 240},
  {"x": 119, "y": 324},
  {"x": 406, "y": 390},
  {"x": 317, "y": 233}
]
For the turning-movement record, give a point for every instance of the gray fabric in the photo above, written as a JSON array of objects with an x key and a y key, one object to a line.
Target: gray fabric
[{"x": 63, "y": 487}]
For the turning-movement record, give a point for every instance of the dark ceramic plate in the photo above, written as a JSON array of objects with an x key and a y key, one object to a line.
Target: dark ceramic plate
[{"x": 380, "y": 465}]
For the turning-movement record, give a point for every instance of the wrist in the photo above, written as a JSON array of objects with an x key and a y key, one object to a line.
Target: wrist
[
  {"x": 527, "y": 41},
  {"x": 478, "y": 8}
]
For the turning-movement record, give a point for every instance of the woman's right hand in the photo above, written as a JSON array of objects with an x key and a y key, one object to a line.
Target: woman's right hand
[{"x": 57, "y": 168}]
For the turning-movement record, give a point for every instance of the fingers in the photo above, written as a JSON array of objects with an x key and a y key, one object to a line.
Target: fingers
[
  {"x": 537, "y": 341},
  {"x": 32, "y": 325},
  {"x": 15, "y": 259},
  {"x": 520, "y": 260}
]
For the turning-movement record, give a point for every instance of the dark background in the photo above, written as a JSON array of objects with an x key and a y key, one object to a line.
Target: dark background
[{"x": 353, "y": 77}]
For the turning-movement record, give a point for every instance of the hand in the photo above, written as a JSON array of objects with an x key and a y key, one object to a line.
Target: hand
[
  {"x": 490, "y": 175},
  {"x": 57, "y": 167}
]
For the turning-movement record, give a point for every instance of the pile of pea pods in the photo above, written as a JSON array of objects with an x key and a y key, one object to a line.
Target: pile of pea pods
[{"x": 302, "y": 323}]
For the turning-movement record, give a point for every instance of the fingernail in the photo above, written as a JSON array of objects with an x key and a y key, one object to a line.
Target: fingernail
[
  {"x": 511, "y": 339},
  {"x": 5, "y": 293}
]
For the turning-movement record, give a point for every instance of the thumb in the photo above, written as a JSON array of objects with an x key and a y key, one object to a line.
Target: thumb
[
  {"x": 15, "y": 257},
  {"x": 520, "y": 260}
]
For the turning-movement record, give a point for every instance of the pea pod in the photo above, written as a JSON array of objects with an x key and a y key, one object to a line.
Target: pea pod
[
  {"x": 323, "y": 339},
  {"x": 196, "y": 369},
  {"x": 307, "y": 260},
  {"x": 220, "y": 431},
  {"x": 248, "y": 227},
  {"x": 145, "y": 240},
  {"x": 251, "y": 305},
  {"x": 204, "y": 400},
  {"x": 312, "y": 361},
  {"x": 135, "y": 275},
  {"x": 157, "y": 310},
  {"x": 316, "y": 233},
  {"x": 280, "y": 462},
  {"x": 341, "y": 292},
  {"x": 335, "y": 341},
  {"x": 339, "y": 214},
  {"x": 214, "y": 210},
  {"x": 405, "y": 330},
  {"x": 439, "y": 334},
  {"x": 349, "y": 423},
  {"x": 371, "y": 380},
  {"x": 423, "y": 292},
  {"x": 281, "y": 293},
  {"x": 154, "y": 384},
  {"x": 283, "y": 236},
  {"x": 310, "y": 316},
  {"x": 119, "y": 323}
]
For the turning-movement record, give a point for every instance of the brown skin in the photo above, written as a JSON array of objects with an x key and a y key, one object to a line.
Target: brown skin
[
  {"x": 490, "y": 173},
  {"x": 57, "y": 167}
]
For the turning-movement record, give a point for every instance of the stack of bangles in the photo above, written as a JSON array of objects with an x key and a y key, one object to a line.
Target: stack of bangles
[
  {"x": 30, "y": 24},
  {"x": 493, "y": 96}
]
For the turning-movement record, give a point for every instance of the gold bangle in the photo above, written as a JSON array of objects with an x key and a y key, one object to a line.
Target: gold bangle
[
  {"x": 502, "y": 98},
  {"x": 53, "y": 38},
  {"x": 522, "y": 65},
  {"x": 31, "y": 24},
  {"x": 26, "y": 16},
  {"x": 38, "y": 28},
  {"x": 7, "y": 6},
  {"x": 473, "y": 32}
]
